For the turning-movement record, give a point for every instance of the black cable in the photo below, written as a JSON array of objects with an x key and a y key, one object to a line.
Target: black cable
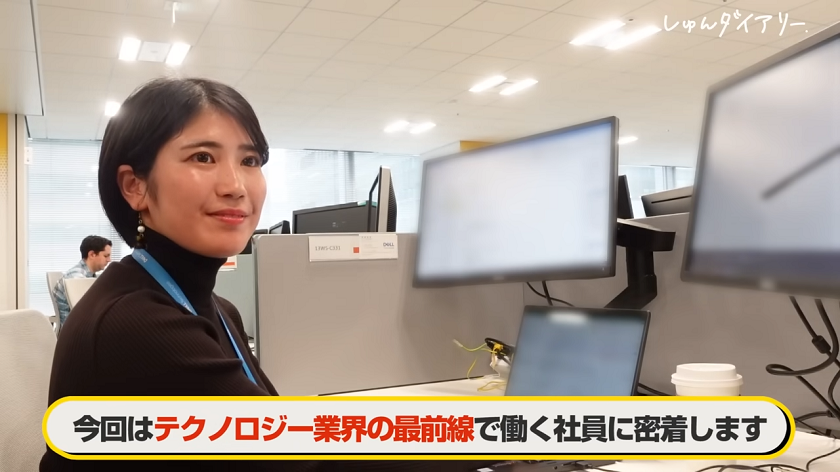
[
  {"x": 547, "y": 295},
  {"x": 832, "y": 387},
  {"x": 802, "y": 317},
  {"x": 552, "y": 298},
  {"x": 652, "y": 390},
  {"x": 808, "y": 465},
  {"x": 834, "y": 413},
  {"x": 777, "y": 369}
]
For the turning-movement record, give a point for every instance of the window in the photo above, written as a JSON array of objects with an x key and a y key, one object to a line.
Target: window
[
  {"x": 63, "y": 208},
  {"x": 643, "y": 180},
  {"x": 683, "y": 176},
  {"x": 406, "y": 174}
]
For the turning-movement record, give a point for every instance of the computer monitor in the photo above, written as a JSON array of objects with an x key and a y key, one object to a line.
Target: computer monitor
[
  {"x": 565, "y": 351},
  {"x": 283, "y": 227},
  {"x": 624, "y": 202},
  {"x": 384, "y": 219},
  {"x": 766, "y": 211},
  {"x": 537, "y": 208},
  {"x": 342, "y": 218},
  {"x": 668, "y": 202}
]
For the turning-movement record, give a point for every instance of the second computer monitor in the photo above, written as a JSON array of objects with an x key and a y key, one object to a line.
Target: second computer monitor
[
  {"x": 538, "y": 208},
  {"x": 668, "y": 202}
]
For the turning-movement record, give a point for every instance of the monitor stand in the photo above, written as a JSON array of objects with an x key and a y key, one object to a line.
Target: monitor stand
[{"x": 640, "y": 242}]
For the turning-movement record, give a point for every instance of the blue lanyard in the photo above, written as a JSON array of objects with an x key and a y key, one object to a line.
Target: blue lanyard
[{"x": 165, "y": 280}]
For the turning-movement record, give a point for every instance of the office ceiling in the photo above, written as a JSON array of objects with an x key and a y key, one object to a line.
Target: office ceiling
[
  {"x": 20, "y": 81},
  {"x": 331, "y": 74}
]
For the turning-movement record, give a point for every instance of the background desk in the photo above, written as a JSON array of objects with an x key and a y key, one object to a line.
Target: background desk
[{"x": 804, "y": 448}]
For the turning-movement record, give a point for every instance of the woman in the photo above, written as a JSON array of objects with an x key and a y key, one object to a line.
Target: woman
[{"x": 180, "y": 180}]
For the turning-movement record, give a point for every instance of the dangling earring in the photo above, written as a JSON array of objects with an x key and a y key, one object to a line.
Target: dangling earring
[{"x": 141, "y": 240}]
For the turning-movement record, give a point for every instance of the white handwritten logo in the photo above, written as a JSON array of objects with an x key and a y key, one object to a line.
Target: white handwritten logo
[{"x": 726, "y": 19}]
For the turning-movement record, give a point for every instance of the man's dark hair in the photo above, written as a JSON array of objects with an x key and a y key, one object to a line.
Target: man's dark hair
[
  {"x": 96, "y": 244},
  {"x": 151, "y": 116}
]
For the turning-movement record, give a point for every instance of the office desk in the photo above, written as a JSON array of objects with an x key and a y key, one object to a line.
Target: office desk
[{"x": 804, "y": 448}]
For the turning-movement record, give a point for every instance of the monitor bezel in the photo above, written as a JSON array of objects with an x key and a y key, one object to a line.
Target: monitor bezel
[
  {"x": 831, "y": 33},
  {"x": 606, "y": 271},
  {"x": 546, "y": 310}
]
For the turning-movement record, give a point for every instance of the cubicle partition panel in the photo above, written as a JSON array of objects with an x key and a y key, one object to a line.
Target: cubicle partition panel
[
  {"x": 329, "y": 327},
  {"x": 699, "y": 323},
  {"x": 238, "y": 286}
]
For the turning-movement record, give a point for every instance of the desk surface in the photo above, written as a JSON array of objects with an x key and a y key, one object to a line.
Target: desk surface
[{"x": 804, "y": 448}]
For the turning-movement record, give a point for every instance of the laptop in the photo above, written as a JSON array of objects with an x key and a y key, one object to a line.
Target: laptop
[{"x": 563, "y": 351}]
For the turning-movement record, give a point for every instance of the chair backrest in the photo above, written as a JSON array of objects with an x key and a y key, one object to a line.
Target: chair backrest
[
  {"x": 76, "y": 289},
  {"x": 52, "y": 278},
  {"x": 27, "y": 344}
]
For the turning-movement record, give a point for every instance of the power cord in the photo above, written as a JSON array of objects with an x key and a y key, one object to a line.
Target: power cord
[
  {"x": 547, "y": 296},
  {"x": 832, "y": 350},
  {"x": 808, "y": 465}
]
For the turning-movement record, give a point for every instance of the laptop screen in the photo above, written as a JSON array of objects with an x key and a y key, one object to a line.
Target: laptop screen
[{"x": 578, "y": 352}]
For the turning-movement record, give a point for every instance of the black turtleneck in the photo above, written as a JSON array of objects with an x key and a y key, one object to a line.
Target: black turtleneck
[{"x": 128, "y": 337}]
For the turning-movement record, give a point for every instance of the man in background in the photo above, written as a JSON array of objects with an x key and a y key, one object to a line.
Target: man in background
[{"x": 96, "y": 254}]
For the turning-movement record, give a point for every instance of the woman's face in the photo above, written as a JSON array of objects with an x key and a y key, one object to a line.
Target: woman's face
[{"x": 206, "y": 189}]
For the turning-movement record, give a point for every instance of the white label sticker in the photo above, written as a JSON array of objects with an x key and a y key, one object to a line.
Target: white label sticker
[
  {"x": 378, "y": 246},
  {"x": 334, "y": 248}
]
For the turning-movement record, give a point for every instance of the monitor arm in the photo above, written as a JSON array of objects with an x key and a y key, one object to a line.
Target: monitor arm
[{"x": 640, "y": 242}]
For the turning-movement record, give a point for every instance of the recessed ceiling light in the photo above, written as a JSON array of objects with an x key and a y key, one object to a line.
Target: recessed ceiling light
[
  {"x": 488, "y": 84},
  {"x": 397, "y": 126},
  {"x": 111, "y": 108},
  {"x": 177, "y": 54},
  {"x": 633, "y": 37},
  {"x": 627, "y": 139},
  {"x": 521, "y": 85},
  {"x": 596, "y": 33},
  {"x": 129, "y": 49},
  {"x": 422, "y": 127}
]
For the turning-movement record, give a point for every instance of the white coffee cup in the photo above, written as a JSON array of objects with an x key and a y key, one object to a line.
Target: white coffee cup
[{"x": 707, "y": 380}]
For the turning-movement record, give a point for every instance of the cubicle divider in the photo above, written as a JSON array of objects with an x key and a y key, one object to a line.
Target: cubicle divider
[
  {"x": 238, "y": 286},
  {"x": 699, "y": 323},
  {"x": 329, "y": 327}
]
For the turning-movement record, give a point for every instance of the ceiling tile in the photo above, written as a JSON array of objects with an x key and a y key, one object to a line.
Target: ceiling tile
[
  {"x": 346, "y": 70},
  {"x": 714, "y": 50},
  {"x": 258, "y": 81},
  {"x": 329, "y": 24},
  {"x": 358, "y": 7},
  {"x": 69, "y": 94},
  {"x": 199, "y": 11},
  {"x": 434, "y": 12},
  {"x": 398, "y": 33},
  {"x": 431, "y": 94},
  {"x": 655, "y": 13},
  {"x": 461, "y": 40},
  {"x": 371, "y": 53},
  {"x": 621, "y": 61},
  {"x": 485, "y": 66},
  {"x": 82, "y": 22},
  {"x": 75, "y": 81},
  {"x": 569, "y": 55},
  {"x": 774, "y": 7},
  {"x": 330, "y": 85},
  {"x": 453, "y": 80},
  {"x": 748, "y": 58},
  {"x": 536, "y": 70},
  {"x": 666, "y": 43},
  {"x": 516, "y": 47},
  {"x": 236, "y": 39},
  {"x": 294, "y": 3},
  {"x": 790, "y": 40},
  {"x": 139, "y": 72},
  {"x": 110, "y": 6},
  {"x": 225, "y": 75},
  {"x": 495, "y": 18},
  {"x": 307, "y": 46},
  {"x": 403, "y": 76},
  {"x": 377, "y": 89},
  {"x": 433, "y": 60},
  {"x": 556, "y": 27},
  {"x": 207, "y": 57},
  {"x": 547, "y": 5},
  {"x": 292, "y": 65},
  {"x": 254, "y": 15},
  {"x": 299, "y": 97},
  {"x": 601, "y": 9},
  {"x": 77, "y": 64}
]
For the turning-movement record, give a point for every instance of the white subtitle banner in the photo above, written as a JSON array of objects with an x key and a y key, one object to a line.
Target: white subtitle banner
[{"x": 419, "y": 427}]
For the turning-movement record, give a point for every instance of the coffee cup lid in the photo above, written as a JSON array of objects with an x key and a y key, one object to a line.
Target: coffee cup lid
[
  {"x": 704, "y": 372},
  {"x": 712, "y": 383}
]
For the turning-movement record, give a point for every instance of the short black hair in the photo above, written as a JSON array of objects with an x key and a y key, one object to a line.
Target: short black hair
[
  {"x": 151, "y": 116},
  {"x": 96, "y": 244}
]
